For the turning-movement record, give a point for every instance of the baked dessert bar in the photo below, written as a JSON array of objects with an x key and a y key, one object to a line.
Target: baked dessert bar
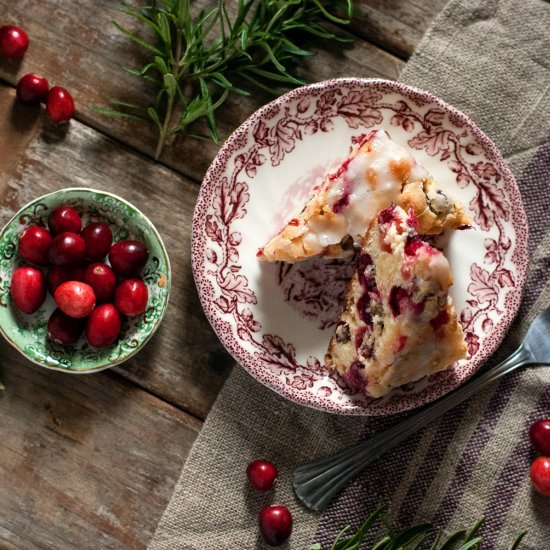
[
  {"x": 377, "y": 173},
  {"x": 398, "y": 323}
]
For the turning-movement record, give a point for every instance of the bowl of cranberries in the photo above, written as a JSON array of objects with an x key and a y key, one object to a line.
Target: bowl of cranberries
[{"x": 84, "y": 280}]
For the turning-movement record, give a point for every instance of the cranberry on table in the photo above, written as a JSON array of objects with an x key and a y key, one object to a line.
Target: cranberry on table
[
  {"x": 102, "y": 279},
  {"x": 58, "y": 275},
  {"x": 128, "y": 257},
  {"x": 59, "y": 105},
  {"x": 28, "y": 288},
  {"x": 98, "y": 238},
  {"x": 67, "y": 249},
  {"x": 131, "y": 297},
  {"x": 261, "y": 474},
  {"x": 63, "y": 329},
  {"x": 275, "y": 524},
  {"x": 540, "y": 475},
  {"x": 13, "y": 41},
  {"x": 64, "y": 218},
  {"x": 32, "y": 89},
  {"x": 539, "y": 433},
  {"x": 75, "y": 298},
  {"x": 34, "y": 245},
  {"x": 103, "y": 326}
]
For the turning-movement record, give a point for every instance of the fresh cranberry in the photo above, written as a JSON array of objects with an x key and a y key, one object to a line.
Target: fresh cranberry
[
  {"x": 131, "y": 297},
  {"x": 413, "y": 244},
  {"x": 59, "y": 105},
  {"x": 63, "y": 219},
  {"x": 98, "y": 238},
  {"x": 13, "y": 42},
  {"x": 128, "y": 257},
  {"x": 261, "y": 474},
  {"x": 32, "y": 89},
  {"x": 34, "y": 244},
  {"x": 67, "y": 249},
  {"x": 102, "y": 279},
  {"x": 58, "y": 275},
  {"x": 540, "y": 475},
  {"x": 275, "y": 524},
  {"x": 75, "y": 298},
  {"x": 103, "y": 326},
  {"x": 63, "y": 329},
  {"x": 539, "y": 433},
  {"x": 28, "y": 288}
]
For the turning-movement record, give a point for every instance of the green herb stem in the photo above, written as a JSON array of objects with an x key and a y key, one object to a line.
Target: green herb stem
[{"x": 195, "y": 58}]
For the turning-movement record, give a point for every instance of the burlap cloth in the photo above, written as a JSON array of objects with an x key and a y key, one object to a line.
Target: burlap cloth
[{"x": 490, "y": 59}]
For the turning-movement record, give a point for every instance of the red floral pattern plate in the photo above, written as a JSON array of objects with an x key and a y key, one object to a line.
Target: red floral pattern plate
[{"x": 277, "y": 319}]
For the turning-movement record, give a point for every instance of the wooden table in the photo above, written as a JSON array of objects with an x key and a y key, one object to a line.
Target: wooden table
[{"x": 91, "y": 461}]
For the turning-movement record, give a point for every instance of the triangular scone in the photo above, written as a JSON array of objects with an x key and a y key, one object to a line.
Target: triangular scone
[
  {"x": 398, "y": 323},
  {"x": 339, "y": 210}
]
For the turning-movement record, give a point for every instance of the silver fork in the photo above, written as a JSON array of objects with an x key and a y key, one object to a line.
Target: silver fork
[{"x": 317, "y": 483}]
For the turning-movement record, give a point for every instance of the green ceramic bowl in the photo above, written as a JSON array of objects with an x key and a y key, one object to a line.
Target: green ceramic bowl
[{"x": 28, "y": 333}]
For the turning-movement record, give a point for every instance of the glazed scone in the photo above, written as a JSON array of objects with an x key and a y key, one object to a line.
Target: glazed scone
[
  {"x": 339, "y": 211},
  {"x": 398, "y": 323},
  {"x": 377, "y": 173}
]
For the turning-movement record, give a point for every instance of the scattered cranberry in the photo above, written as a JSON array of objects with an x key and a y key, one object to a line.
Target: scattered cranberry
[
  {"x": 98, "y": 238},
  {"x": 58, "y": 275},
  {"x": 34, "y": 244},
  {"x": 262, "y": 474},
  {"x": 540, "y": 475},
  {"x": 539, "y": 434},
  {"x": 75, "y": 298},
  {"x": 67, "y": 249},
  {"x": 28, "y": 288},
  {"x": 64, "y": 218},
  {"x": 13, "y": 42},
  {"x": 131, "y": 297},
  {"x": 59, "y": 105},
  {"x": 32, "y": 89},
  {"x": 275, "y": 524},
  {"x": 103, "y": 326},
  {"x": 128, "y": 257},
  {"x": 102, "y": 279},
  {"x": 63, "y": 329}
]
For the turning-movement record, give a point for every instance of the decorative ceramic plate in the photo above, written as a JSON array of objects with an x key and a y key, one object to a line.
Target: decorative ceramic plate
[
  {"x": 277, "y": 319},
  {"x": 28, "y": 333}
]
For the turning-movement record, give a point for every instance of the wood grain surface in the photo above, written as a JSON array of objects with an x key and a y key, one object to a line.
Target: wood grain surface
[{"x": 91, "y": 461}]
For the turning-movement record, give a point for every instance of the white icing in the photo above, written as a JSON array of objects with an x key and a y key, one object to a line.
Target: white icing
[{"x": 366, "y": 198}]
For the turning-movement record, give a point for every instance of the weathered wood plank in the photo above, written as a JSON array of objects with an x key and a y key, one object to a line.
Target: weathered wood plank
[
  {"x": 396, "y": 26},
  {"x": 86, "y": 461},
  {"x": 184, "y": 362},
  {"x": 82, "y": 51}
]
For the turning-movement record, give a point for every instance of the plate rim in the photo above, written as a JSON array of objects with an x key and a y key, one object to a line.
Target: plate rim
[{"x": 520, "y": 222}]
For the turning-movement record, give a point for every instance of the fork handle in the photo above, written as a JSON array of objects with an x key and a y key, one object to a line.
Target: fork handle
[{"x": 317, "y": 483}]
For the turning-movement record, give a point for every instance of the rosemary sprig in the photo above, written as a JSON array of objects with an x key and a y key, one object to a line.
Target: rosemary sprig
[
  {"x": 414, "y": 538},
  {"x": 195, "y": 59}
]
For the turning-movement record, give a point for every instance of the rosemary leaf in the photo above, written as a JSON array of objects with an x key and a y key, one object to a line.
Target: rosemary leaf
[{"x": 194, "y": 58}]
